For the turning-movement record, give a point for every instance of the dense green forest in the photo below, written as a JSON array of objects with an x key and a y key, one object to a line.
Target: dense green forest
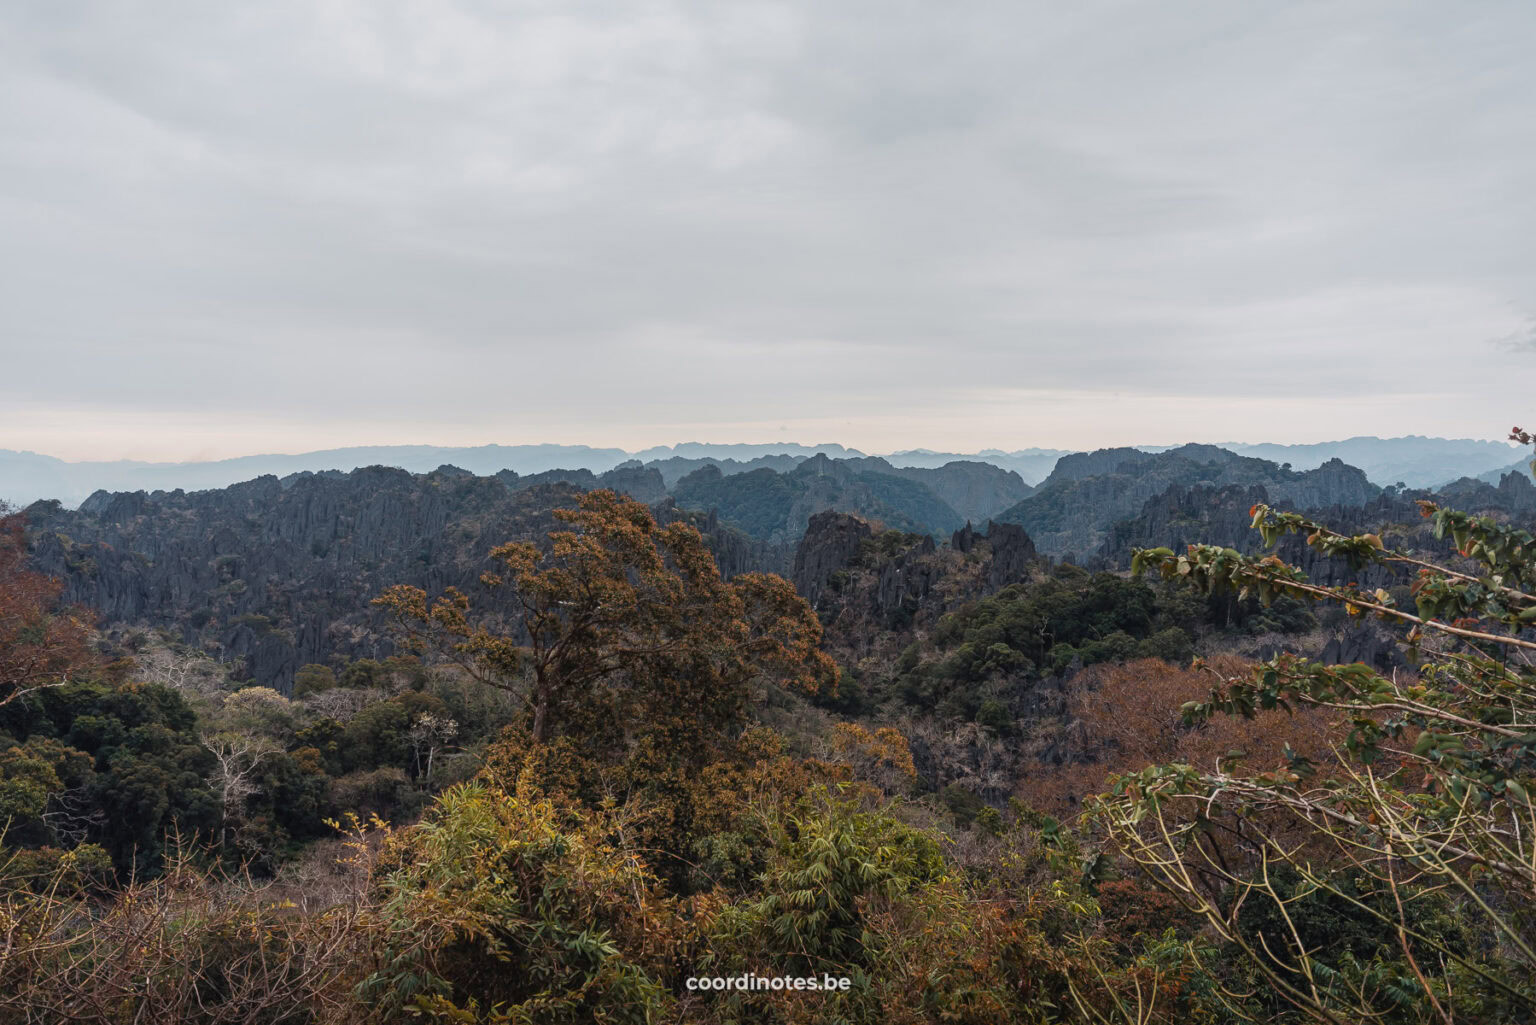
[{"x": 1281, "y": 778}]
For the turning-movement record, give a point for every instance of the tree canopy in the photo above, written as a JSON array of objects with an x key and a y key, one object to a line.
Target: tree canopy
[
  {"x": 42, "y": 644},
  {"x": 621, "y": 627}
]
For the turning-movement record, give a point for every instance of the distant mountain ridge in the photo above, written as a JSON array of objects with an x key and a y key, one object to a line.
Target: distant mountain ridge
[
  {"x": 1416, "y": 461},
  {"x": 276, "y": 572},
  {"x": 28, "y": 476},
  {"x": 1088, "y": 492},
  {"x": 776, "y": 504},
  {"x": 776, "y": 507},
  {"x": 675, "y": 468},
  {"x": 1524, "y": 467},
  {"x": 975, "y": 490},
  {"x": 1032, "y": 465}
]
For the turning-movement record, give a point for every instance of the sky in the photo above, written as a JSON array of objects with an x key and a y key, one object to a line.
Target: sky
[{"x": 300, "y": 224}]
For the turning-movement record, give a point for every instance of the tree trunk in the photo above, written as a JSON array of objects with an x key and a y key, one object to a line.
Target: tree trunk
[{"x": 540, "y": 714}]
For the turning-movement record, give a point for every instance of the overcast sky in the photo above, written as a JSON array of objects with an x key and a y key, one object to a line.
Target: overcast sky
[{"x": 296, "y": 224}]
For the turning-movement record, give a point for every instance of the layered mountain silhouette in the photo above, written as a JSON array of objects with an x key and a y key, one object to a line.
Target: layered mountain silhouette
[
  {"x": 273, "y": 573},
  {"x": 1416, "y": 462},
  {"x": 27, "y": 476}
]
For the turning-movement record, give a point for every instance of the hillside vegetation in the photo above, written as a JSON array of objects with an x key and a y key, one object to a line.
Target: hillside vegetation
[{"x": 546, "y": 752}]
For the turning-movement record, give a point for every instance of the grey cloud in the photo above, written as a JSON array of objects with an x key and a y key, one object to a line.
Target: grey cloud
[
  {"x": 694, "y": 212},
  {"x": 1523, "y": 340}
]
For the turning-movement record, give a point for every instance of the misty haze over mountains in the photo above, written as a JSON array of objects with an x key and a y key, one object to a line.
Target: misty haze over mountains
[{"x": 27, "y": 476}]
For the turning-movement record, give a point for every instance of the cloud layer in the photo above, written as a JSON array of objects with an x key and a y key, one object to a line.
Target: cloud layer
[{"x": 235, "y": 228}]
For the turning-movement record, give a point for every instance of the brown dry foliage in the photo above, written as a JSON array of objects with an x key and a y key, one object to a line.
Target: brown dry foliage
[
  {"x": 189, "y": 946},
  {"x": 41, "y": 643},
  {"x": 1126, "y": 717},
  {"x": 621, "y": 621}
]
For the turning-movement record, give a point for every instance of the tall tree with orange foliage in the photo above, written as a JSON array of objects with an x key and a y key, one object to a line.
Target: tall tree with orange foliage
[
  {"x": 42, "y": 644},
  {"x": 620, "y": 625}
]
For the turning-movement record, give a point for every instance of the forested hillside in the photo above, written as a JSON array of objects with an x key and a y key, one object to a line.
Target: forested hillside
[
  {"x": 770, "y": 513},
  {"x": 382, "y": 746},
  {"x": 274, "y": 574}
]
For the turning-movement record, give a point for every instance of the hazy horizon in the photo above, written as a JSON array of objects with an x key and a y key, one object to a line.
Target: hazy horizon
[{"x": 1514, "y": 449}]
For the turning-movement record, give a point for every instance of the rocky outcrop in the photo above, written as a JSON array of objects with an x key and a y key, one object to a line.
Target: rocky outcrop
[
  {"x": 975, "y": 490},
  {"x": 1514, "y": 494},
  {"x": 1204, "y": 514},
  {"x": 1522, "y": 467},
  {"x": 906, "y": 579},
  {"x": 1518, "y": 493},
  {"x": 870, "y": 586},
  {"x": 831, "y": 543},
  {"x": 638, "y": 482},
  {"x": 1073, "y": 510},
  {"x": 1011, "y": 550},
  {"x": 734, "y": 551},
  {"x": 1078, "y": 465},
  {"x": 675, "y": 468},
  {"x": 1367, "y": 643},
  {"x": 777, "y": 507},
  {"x": 641, "y": 483},
  {"x": 1333, "y": 483},
  {"x": 843, "y": 564},
  {"x": 1184, "y": 515}
]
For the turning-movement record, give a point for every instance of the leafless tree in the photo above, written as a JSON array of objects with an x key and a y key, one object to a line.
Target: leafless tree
[
  {"x": 430, "y": 733},
  {"x": 341, "y": 703},
  {"x": 237, "y": 756},
  {"x": 190, "y": 672}
]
